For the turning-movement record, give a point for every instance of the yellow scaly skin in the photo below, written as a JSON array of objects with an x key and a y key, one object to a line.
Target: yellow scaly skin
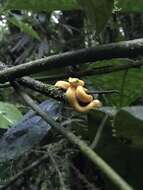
[
  {"x": 82, "y": 95},
  {"x": 71, "y": 97},
  {"x": 75, "y": 92}
]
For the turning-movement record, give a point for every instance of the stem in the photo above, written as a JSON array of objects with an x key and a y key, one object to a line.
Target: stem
[
  {"x": 99, "y": 132},
  {"x": 104, "y": 92},
  {"x": 123, "y": 87}
]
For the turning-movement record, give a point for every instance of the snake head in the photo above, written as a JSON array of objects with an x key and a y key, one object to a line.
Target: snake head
[
  {"x": 74, "y": 82},
  {"x": 62, "y": 84},
  {"x": 96, "y": 104}
]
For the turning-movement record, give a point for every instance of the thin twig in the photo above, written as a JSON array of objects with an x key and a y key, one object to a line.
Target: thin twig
[
  {"x": 83, "y": 178},
  {"x": 57, "y": 169},
  {"x": 94, "y": 157},
  {"x": 99, "y": 132},
  {"x": 24, "y": 171},
  {"x": 104, "y": 92},
  {"x": 125, "y": 74}
]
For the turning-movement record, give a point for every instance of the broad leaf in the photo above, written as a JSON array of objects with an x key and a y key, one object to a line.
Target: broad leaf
[
  {"x": 9, "y": 115},
  {"x": 129, "y": 91},
  {"x": 92, "y": 8},
  {"x": 24, "y": 27},
  {"x": 130, "y": 5},
  {"x": 98, "y": 12},
  {"x": 126, "y": 160},
  {"x": 46, "y": 5},
  {"x": 129, "y": 125},
  {"x": 30, "y": 130},
  {"x": 110, "y": 111}
]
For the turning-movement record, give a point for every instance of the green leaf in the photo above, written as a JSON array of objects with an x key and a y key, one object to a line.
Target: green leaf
[
  {"x": 25, "y": 27},
  {"x": 45, "y": 5},
  {"x": 9, "y": 115},
  {"x": 96, "y": 117},
  {"x": 128, "y": 123},
  {"x": 92, "y": 8},
  {"x": 130, "y": 5},
  {"x": 124, "y": 159},
  {"x": 29, "y": 131},
  {"x": 110, "y": 111},
  {"x": 98, "y": 12},
  {"x": 133, "y": 86}
]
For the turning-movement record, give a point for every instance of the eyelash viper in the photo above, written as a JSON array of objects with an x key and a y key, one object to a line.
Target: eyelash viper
[{"x": 76, "y": 94}]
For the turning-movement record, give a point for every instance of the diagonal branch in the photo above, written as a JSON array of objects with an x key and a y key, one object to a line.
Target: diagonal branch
[
  {"x": 93, "y": 156},
  {"x": 39, "y": 86},
  {"x": 43, "y": 88},
  {"x": 124, "y": 49}
]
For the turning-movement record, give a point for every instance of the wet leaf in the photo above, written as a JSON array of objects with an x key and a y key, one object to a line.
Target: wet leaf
[
  {"x": 9, "y": 115},
  {"x": 129, "y": 124}
]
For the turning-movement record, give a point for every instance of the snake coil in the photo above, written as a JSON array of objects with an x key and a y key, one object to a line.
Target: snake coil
[{"x": 77, "y": 94}]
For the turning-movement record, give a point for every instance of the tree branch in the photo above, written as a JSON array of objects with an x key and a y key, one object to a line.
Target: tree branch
[
  {"x": 51, "y": 90},
  {"x": 41, "y": 87},
  {"x": 124, "y": 49}
]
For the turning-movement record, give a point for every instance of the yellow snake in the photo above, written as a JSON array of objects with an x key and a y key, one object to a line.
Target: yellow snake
[{"x": 76, "y": 93}]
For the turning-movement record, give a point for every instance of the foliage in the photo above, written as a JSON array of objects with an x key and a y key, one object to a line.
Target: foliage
[
  {"x": 131, "y": 126},
  {"x": 9, "y": 115},
  {"x": 119, "y": 141},
  {"x": 33, "y": 29},
  {"x": 109, "y": 81},
  {"x": 93, "y": 8},
  {"x": 24, "y": 27},
  {"x": 130, "y": 6},
  {"x": 27, "y": 133},
  {"x": 42, "y": 5}
]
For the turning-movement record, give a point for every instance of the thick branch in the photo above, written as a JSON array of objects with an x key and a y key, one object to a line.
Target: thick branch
[
  {"x": 53, "y": 91},
  {"x": 124, "y": 49},
  {"x": 47, "y": 89},
  {"x": 36, "y": 85}
]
